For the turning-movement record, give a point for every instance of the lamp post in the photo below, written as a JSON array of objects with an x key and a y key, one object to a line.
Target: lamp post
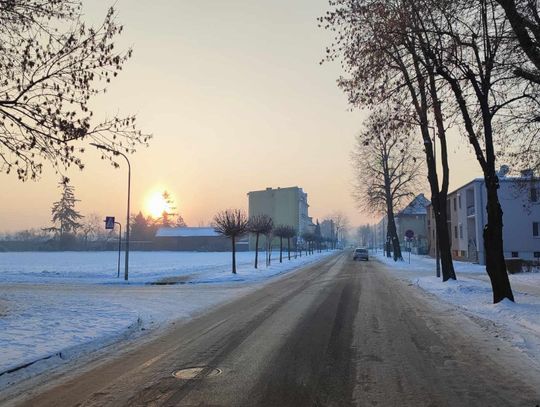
[
  {"x": 119, "y": 246},
  {"x": 115, "y": 152},
  {"x": 437, "y": 253}
]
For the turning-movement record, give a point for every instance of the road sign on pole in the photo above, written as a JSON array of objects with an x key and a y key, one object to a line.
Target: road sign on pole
[
  {"x": 109, "y": 222},
  {"x": 409, "y": 235}
]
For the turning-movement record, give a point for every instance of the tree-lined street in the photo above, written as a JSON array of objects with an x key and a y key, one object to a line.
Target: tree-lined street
[{"x": 335, "y": 333}]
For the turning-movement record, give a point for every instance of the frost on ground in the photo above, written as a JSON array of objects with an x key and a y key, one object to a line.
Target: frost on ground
[
  {"x": 57, "y": 305},
  {"x": 518, "y": 323}
]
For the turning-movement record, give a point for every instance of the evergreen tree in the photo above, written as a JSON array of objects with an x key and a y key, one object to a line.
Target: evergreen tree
[
  {"x": 143, "y": 228},
  {"x": 64, "y": 216},
  {"x": 170, "y": 218}
]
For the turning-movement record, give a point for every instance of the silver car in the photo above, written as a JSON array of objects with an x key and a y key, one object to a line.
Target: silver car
[{"x": 361, "y": 254}]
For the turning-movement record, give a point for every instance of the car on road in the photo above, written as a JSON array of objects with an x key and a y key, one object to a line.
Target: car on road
[{"x": 361, "y": 254}]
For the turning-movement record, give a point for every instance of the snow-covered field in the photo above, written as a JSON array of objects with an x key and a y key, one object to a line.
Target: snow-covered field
[
  {"x": 101, "y": 267},
  {"x": 57, "y": 305},
  {"x": 518, "y": 323}
]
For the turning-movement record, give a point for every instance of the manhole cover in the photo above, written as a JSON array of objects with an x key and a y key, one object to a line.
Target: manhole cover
[{"x": 196, "y": 373}]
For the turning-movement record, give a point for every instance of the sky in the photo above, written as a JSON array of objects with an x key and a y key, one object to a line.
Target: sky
[{"x": 236, "y": 100}]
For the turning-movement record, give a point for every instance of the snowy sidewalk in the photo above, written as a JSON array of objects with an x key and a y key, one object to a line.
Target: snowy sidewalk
[
  {"x": 517, "y": 323},
  {"x": 53, "y": 308}
]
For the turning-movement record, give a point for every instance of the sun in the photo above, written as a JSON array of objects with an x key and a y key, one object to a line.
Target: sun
[{"x": 156, "y": 205}]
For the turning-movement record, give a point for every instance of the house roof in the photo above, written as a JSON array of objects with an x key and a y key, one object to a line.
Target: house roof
[
  {"x": 417, "y": 206},
  {"x": 186, "y": 232}
]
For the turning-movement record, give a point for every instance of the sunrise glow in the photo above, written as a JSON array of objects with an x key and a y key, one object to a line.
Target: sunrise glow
[{"x": 156, "y": 205}]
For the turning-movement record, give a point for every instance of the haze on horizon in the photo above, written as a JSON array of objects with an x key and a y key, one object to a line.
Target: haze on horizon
[{"x": 236, "y": 100}]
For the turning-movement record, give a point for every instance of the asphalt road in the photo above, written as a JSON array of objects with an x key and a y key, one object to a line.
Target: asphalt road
[{"x": 337, "y": 333}]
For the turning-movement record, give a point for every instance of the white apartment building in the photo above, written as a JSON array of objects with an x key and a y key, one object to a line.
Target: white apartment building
[{"x": 467, "y": 216}]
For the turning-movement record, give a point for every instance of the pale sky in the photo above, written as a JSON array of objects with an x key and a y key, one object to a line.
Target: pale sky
[{"x": 236, "y": 100}]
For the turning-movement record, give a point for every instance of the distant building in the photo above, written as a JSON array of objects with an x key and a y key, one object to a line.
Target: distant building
[
  {"x": 286, "y": 206},
  {"x": 414, "y": 217},
  {"x": 466, "y": 206},
  {"x": 202, "y": 239},
  {"x": 328, "y": 230}
]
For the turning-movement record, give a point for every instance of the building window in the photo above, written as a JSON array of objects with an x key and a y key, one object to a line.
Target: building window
[
  {"x": 461, "y": 231},
  {"x": 463, "y": 254},
  {"x": 455, "y": 232},
  {"x": 515, "y": 254},
  {"x": 455, "y": 204},
  {"x": 534, "y": 195},
  {"x": 459, "y": 201},
  {"x": 536, "y": 255},
  {"x": 536, "y": 229}
]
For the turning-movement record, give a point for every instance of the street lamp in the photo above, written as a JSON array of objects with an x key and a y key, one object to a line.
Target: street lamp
[
  {"x": 437, "y": 252},
  {"x": 119, "y": 246},
  {"x": 115, "y": 152}
]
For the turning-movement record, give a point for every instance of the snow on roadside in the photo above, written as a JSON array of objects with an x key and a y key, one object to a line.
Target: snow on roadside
[
  {"x": 101, "y": 267},
  {"x": 63, "y": 313},
  {"x": 518, "y": 323}
]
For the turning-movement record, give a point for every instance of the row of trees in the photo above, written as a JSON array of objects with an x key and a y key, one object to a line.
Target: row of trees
[
  {"x": 233, "y": 223},
  {"x": 471, "y": 65},
  {"x": 387, "y": 169}
]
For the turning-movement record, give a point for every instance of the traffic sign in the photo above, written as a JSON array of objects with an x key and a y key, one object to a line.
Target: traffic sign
[
  {"x": 109, "y": 222},
  {"x": 409, "y": 234}
]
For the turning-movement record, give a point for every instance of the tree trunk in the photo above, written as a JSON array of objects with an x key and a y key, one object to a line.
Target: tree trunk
[
  {"x": 280, "y": 249},
  {"x": 421, "y": 105},
  {"x": 289, "y": 247},
  {"x": 493, "y": 230},
  {"x": 269, "y": 251},
  {"x": 256, "y": 250},
  {"x": 493, "y": 244},
  {"x": 440, "y": 196},
  {"x": 233, "y": 255},
  {"x": 392, "y": 233}
]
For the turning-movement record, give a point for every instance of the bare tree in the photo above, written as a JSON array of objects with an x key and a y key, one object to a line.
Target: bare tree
[
  {"x": 309, "y": 238},
  {"x": 269, "y": 235},
  {"x": 90, "y": 228},
  {"x": 51, "y": 66},
  {"x": 341, "y": 224},
  {"x": 525, "y": 22},
  {"x": 364, "y": 235},
  {"x": 522, "y": 148},
  {"x": 281, "y": 232},
  {"x": 290, "y": 232},
  {"x": 386, "y": 169},
  {"x": 232, "y": 223},
  {"x": 260, "y": 225},
  {"x": 376, "y": 44},
  {"x": 466, "y": 49}
]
